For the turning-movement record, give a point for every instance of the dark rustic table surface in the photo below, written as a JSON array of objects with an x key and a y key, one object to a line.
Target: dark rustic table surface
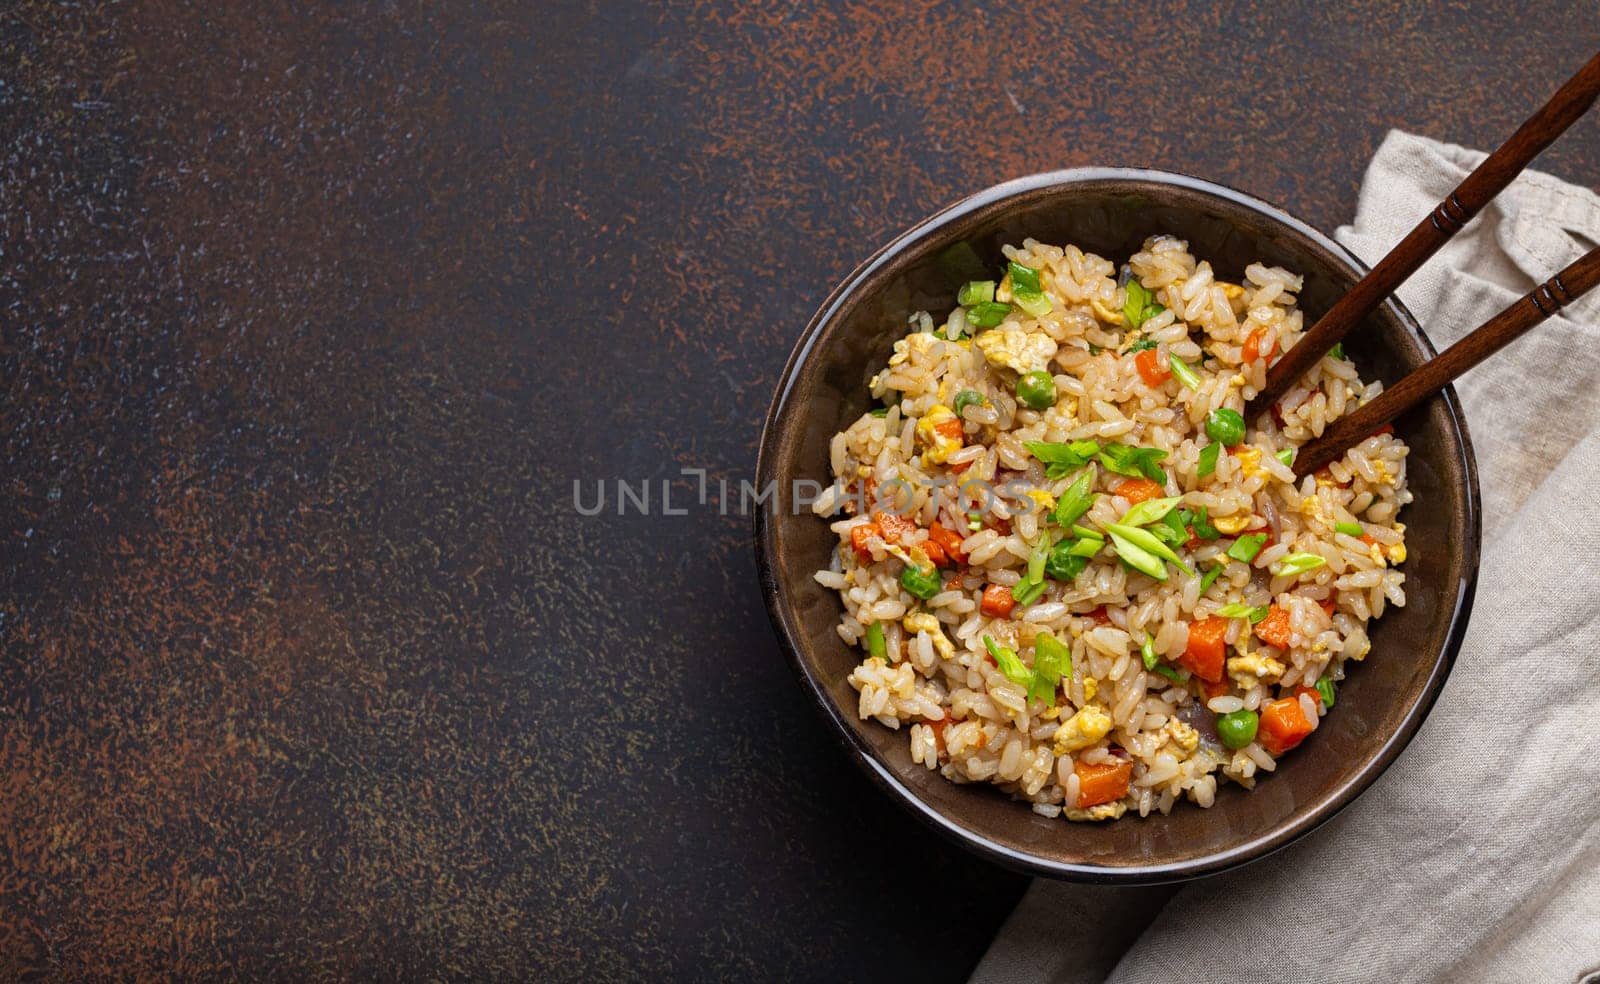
[{"x": 312, "y": 318}]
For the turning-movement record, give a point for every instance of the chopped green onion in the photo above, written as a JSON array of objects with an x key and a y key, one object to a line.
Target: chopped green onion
[
  {"x": 974, "y": 520},
  {"x": 1210, "y": 578},
  {"x": 1208, "y": 459},
  {"x": 1009, "y": 662},
  {"x": 1148, "y": 542},
  {"x": 975, "y": 292},
  {"x": 1036, "y": 559},
  {"x": 1350, "y": 529},
  {"x": 1032, "y": 302},
  {"x": 1225, "y": 425},
  {"x": 1245, "y": 548},
  {"x": 1337, "y": 351},
  {"x": 1201, "y": 523},
  {"x": 880, "y": 412},
  {"x": 1170, "y": 530},
  {"x": 1064, "y": 564},
  {"x": 988, "y": 314},
  {"x": 1182, "y": 372},
  {"x": 1243, "y": 611},
  {"x": 1085, "y": 547},
  {"x": 1171, "y": 674},
  {"x": 1026, "y": 593},
  {"x": 1149, "y": 511},
  {"x": 1134, "y": 462},
  {"x": 1286, "y": 456},
  {"x": 1076, "y": 500},
  {"x": 1325, "y": 689},
  {"x": 1062, "y": 460},
  {"x": 1088, "y": 533},
  {"x": 1138, "y": 558},
  {"x": 922, "y": 584},
  {"x": 1140, "y": 345},
  {"x": 1051, "y": 662},
  {"x": 1148, "y": 652},
  {"x": 1297, "y": 563},
  {"x": 1023, "y": 278},
  {"x": 1139, "y": 305},
  {"x": 1095, "y": 349},
  {"x": 875, "y": 644}
]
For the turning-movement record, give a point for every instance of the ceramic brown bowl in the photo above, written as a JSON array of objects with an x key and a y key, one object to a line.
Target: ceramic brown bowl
[{"x": 1110, "y": 212}]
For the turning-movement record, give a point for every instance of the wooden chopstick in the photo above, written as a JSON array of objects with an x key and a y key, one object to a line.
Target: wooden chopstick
[
  {"x": 1485, "y": 340},
  {"x": 1488, "y": 179}
]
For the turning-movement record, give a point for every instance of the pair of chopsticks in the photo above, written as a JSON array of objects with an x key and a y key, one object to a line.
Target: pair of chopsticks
[{"x": 1490, "y": 178}]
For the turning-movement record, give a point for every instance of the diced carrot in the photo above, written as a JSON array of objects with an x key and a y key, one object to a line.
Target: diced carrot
[
  {"x": 1217, "y": 689},
  {"x": 936, "y": 555},
  {"x": 1303, "y": 689},
  {"x": 1367, "y": 539},
  {"x": 1329, "y": 604},
  {"x": 949, "y": 541},
  {"x": 1283, "y": 725},
  {"x": 1207, "y": 646},
  {"x": 858, "y": 539},
  {"x": 937, "y": 727},
  {"x": 1099, "y": 614},
  {"x": 1274, "y": 629},
  {"x": 1101, "y": 782},
  {"x": 1252, "y": 346},
  {"x": 949, "y": 429},
  {"x": 997, "y": 601},
  {"x": 960, "y": 467},
  {"x": 1385, "y": 429},
  {"x": 1137, "y": 490},
  {"x": 1151, "y": 369},
  {"x": 895, "y": 528}
]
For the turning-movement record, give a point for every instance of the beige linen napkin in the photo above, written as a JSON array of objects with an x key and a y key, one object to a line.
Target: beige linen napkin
[{"x": 1476, "y": 857}]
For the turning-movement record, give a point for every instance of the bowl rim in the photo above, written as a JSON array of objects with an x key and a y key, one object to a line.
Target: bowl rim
[{"x": 779, "y": 609}]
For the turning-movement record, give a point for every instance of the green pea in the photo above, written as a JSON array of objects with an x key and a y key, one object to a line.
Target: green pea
[
  {"x": 922, "y": 584},
  {"x": 1225, "y": 426},
  {"x": 967, "y": 398},
  {"x": 1238, "y": 729},
  {"x": 1036, "y": 390}
]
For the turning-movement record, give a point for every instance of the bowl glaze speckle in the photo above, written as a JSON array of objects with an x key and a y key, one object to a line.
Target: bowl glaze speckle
[{"x": 1110, "y": 211}]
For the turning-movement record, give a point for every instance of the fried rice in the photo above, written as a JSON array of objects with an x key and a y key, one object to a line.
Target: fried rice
[{"x": 1133, "y": 676}]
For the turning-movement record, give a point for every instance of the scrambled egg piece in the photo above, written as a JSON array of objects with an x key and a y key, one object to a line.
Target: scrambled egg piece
[
  {"x": 1021, "y": 351},
  {"x": 1385, "y": 477},
  {"x": 1110, "y": 316},
  {"x": 1397, "y": 553},
  {"x": 1105, "y": 811},
  {"x": 1083, "y": 729},
  {"x": 1231, "y": 524},
  {"x": 1248, "y": 669},
  {"x": 924, "y": 622},
  {"x": 1045, "y": 500},
  {"x": 929, "y": 431},
  {"x": 919, "y": 342},
  {"x": 1187, "y": 739},
  {"x": 1249, "y": 461},
  {"x": 1091, "y": 686},
  {"x": 1231, "y": 291}
]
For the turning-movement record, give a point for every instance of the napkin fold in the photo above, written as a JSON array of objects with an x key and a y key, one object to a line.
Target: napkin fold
[{"x": 1477, "y": 855}]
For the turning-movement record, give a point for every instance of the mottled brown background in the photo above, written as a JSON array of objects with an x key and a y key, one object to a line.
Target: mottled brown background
[{"x": 310, "y": 320}]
